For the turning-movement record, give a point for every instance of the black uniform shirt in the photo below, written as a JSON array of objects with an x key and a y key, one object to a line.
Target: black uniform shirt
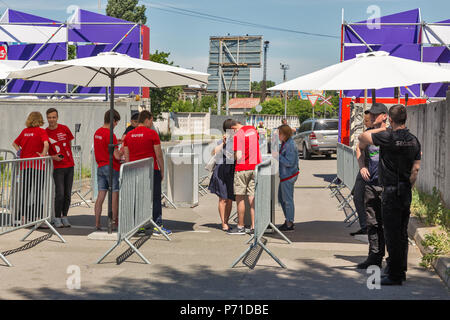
[{"x": 398, "y": 151}]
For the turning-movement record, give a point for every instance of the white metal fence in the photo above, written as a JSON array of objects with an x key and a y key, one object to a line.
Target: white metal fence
[
  {"x": 135, "y": 202},
  {"x": 77, "y": 186},
  {"x": 347, "y": 165},
  {"x": 26, "y": 198},
  {"x": 264, "y": 206},
  {"x": 347, "y": 171}
]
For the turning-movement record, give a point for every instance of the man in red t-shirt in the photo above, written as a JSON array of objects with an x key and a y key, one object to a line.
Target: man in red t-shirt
[
  {"x": 143, "y": 142},
  {"x": 60, "y": 138},
  {"x": 101, "y": 143},
  {"x": 247, "y": 155}
]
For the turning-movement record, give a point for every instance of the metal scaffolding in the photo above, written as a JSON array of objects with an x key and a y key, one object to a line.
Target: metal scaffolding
[{"x": 67, "y": 25}]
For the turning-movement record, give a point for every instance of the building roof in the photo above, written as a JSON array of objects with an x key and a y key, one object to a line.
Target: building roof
[{"x": 243, "y": 103}]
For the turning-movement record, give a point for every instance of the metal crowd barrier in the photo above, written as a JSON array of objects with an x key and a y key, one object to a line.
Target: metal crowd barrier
[
  {"x": 182, "y": 178},
  {"x": 135, "y": 203},
  {"x": 347, "y": 171},
  {"x": 182, "y": 154},
  {"x": 26, "y": 196},
  {"x": 94, "y": 184},
  {"x": 264, "y": 205},
  {"x": 7, "y": 155},
  {"x": 203, "y": 150},
  {"x": 77, "y": 154}
]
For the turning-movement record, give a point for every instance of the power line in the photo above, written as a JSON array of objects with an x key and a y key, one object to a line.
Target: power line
[{"x": 198, "y": 14}]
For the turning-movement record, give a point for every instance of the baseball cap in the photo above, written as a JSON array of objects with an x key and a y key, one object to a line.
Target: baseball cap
[
  {"x": 377, "y": 108},
  {"x": 135, "y": 116}
]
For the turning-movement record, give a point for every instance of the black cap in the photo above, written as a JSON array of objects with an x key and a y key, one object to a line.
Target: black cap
[
  {"x": 377, "y": 108},
  {"x": 135, "y": 116}
]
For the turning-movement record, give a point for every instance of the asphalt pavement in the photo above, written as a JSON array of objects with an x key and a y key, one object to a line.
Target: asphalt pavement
[{"x": 196, "y": 264}]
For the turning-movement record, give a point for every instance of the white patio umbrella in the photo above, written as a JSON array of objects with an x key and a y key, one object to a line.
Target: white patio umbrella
[
  {"x": 112, "y": 69},
  {"x": 8, "y": 66},
  {"x": 374, "y": 70}
]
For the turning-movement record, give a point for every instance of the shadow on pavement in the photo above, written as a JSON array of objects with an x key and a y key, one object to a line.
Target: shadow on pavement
[
  {"x": 318, "y": 231},
  {"x": 311, "y": 280},
  {"x": 326, "y": 177}
]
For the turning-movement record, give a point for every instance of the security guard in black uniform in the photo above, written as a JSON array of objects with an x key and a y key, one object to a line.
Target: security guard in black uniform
[{"x": 398, "y": 168}]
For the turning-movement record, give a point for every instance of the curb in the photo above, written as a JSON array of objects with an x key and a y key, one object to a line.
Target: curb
[{"x": 441, "y": 265}]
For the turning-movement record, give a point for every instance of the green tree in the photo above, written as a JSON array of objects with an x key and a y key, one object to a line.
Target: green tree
[
  {"x": 297, "y": 107},
  {"x": 127, "y": 10},
  {"x": 162, "y": 100},
  {"x": 72, "y": 52},
  {"x": 256, "y": 86}
]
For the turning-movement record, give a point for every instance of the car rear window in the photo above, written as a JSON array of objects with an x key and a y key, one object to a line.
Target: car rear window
[{"x": 326, "y": 125}]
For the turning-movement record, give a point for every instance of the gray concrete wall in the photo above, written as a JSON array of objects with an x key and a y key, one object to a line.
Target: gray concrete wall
[
  {"x": 90, "y": 114},
  {"x": 431, "y": 124}
]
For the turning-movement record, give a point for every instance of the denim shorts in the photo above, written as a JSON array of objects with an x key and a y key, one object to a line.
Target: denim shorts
[{"x": 103, "y": 179}]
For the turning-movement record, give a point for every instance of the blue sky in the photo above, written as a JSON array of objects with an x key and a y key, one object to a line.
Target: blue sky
[{"x": 187, "y": 37}]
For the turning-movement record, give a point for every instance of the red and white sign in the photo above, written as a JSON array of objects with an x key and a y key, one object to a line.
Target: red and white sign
[
  {"x": 313, "y": 98},
  {"x": 3, "y": 53},
  {"x": 326, "y": 100}
]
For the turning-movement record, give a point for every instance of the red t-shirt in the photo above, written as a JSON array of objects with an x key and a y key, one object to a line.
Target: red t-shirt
[
  {"x": 246, "y": 140},
  {"x": 31, "y": 140},
  {"x": 141, "y": 143},
  {"x": 59, "y": 140},
  {"x": 101, "y": 142}
]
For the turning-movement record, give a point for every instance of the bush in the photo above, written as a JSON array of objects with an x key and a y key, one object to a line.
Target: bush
[
  {"x": 439, "y": 244},
  {"x": 430, "y": 209}
]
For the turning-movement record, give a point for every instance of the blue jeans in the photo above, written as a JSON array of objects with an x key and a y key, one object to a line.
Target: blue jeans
[
  {"x": 103, "y": 179},
  {"x": 286, "y": 198}
]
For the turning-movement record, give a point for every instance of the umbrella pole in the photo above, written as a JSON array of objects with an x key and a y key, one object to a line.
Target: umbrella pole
[{"x": 111, "y": 153}]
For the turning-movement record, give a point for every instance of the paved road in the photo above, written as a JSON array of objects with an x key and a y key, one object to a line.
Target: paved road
[{"x": 196, "y": 263}]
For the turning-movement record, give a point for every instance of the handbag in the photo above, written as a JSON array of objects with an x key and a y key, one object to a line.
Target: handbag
[{"x": 211, "y": 164}]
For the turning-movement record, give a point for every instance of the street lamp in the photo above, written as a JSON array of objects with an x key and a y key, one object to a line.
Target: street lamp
[{"x": 284, "y": 67}]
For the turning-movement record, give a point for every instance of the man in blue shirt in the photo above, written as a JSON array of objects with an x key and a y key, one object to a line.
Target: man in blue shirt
[
  {"x": 368, "y": 164},
  {"x": 400, "y": 156}
]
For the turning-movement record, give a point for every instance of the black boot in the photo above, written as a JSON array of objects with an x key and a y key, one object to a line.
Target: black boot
[
  {"x": 368, "y": 263},
  {"x": 360, "y": 231},
  {"x": 386, "y": 281}
]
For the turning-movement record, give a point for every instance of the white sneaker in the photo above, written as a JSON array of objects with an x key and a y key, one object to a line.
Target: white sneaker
[
  {"x": 65, "y": 222},
  {"x": 58, "y": 223}
]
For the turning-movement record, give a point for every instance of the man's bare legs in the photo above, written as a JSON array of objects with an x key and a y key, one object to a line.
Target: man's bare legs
[
  {"x": 251, "y": 200},
  {"x": 240, "y": 201},
  {"x": 115, "y": 208},
  {"x": 99, "y": 205}
]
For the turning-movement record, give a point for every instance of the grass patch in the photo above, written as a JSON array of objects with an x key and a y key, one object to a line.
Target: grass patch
[
  {"x": 439, "y": 244},
  {"x": 85, "y": 172},
  {"x": 431, "y": 210}
]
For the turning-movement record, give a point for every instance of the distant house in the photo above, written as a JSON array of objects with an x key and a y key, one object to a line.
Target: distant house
[{"x": 242, "y": 105}]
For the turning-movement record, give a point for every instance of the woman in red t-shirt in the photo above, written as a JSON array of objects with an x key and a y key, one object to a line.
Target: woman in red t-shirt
[{"x": 31, "y": 143}]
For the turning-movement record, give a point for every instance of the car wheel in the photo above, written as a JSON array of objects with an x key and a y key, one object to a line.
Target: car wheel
[
  {"x": 328, "y": 155},
  {"x": 306, "y": 153}
]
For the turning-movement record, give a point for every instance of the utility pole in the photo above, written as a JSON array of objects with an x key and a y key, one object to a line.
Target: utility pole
[
  {"x": 284, "y": 67},
  {"x": 219, "y": 90},
  {"x": 263, "y": 87}
]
